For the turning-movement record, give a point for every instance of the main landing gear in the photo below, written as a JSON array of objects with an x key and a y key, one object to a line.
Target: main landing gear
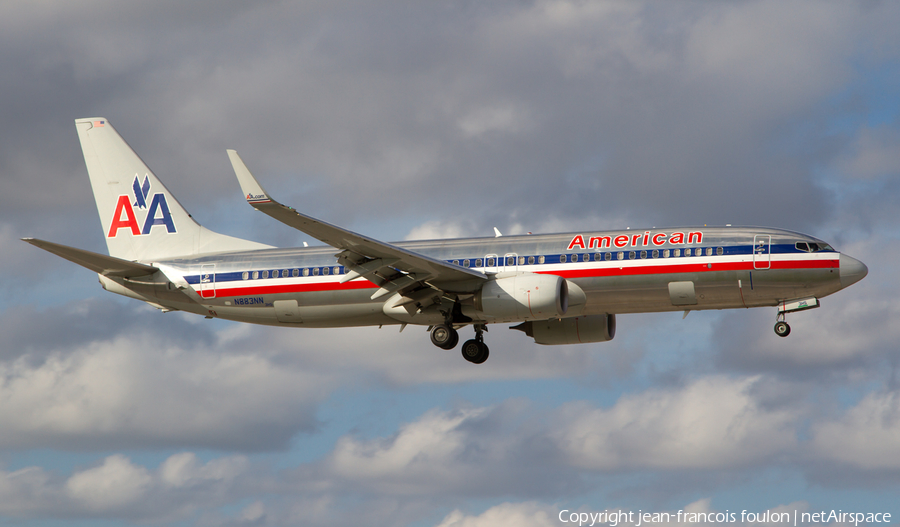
[
  {"x": 444, "y": 336},
  {"x": 474, "y": 350}
]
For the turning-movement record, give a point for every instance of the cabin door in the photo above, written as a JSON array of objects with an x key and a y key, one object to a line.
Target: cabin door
[
  {"x": 208, "y": 281},
  {"x": 762, "y": 258}
]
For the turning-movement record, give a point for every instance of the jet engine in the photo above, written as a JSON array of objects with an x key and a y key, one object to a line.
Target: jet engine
[
  {"x": 574, "y": 330},
  {"x": 523, "y": 296}
]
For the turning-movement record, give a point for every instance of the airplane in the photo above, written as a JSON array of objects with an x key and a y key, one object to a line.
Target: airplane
[{"x": 556, "y": 288}]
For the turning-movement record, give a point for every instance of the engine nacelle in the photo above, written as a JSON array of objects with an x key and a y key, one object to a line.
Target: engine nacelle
[
  {"x": 523, "y": 296},
  {"x": 574, "y": 330}
]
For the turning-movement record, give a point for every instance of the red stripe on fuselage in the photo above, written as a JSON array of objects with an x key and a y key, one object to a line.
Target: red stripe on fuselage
[
  {"x": 692, "y": 268},
  {"x": 292, "y": 288}
]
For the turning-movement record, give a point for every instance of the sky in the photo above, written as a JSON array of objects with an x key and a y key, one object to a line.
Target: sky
[{"x": 410, "y": 120}]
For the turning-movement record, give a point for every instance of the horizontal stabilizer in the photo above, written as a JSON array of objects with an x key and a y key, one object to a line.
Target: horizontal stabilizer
[{"x": 99, "y": 263}]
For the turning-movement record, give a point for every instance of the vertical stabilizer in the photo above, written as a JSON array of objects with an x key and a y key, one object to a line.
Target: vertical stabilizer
[{"x": 141, "y": 219}]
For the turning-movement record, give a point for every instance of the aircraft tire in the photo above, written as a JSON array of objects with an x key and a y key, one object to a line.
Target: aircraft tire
[
  {"x": 444, "y": 336},
  {"x": 453, "y": 341},
  {"x": 782, "y": 329},
  {"x": 475, "y": 352}
]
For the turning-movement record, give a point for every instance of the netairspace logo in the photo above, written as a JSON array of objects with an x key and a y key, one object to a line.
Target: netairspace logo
[{"x": 157, "y": 212}]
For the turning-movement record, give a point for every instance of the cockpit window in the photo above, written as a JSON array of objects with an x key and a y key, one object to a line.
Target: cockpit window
[{"x": 813, "y": 247}]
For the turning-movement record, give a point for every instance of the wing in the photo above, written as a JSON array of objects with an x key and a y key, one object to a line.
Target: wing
[
  {"x": 99, "y": 263},
  {"x": 394, "y": 269}
]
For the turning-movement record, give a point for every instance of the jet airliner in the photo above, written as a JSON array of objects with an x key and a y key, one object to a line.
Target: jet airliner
[{"x": 556, "y": 288}]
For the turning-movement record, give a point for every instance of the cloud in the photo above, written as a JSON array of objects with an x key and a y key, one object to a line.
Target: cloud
[
  {"x": 117, "y": 488},
  {"x": 529, "y": 514},
  {"x": 115, "y": 484},
  {"x": 866, "y": 437},
  {"x": 126, "y": 391},
  {"x": 875, "y": 153},
  {"x": 712, "y": 423}
]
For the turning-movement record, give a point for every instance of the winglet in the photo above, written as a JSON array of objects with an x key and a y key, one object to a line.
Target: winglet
[{"x": 251, "y": 188}]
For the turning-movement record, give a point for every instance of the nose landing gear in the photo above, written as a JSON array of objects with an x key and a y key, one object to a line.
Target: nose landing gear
[{"x": 782, "y": 328}]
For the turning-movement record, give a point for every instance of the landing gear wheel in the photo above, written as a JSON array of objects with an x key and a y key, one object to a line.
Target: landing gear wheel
[
  {"x": 444, "y": 337},
  {"x": 782, "y": 329},
  {"x": 475, "y": 352}
]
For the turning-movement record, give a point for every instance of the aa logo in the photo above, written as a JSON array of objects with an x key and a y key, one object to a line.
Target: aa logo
[{"x": 157, "y": 212}]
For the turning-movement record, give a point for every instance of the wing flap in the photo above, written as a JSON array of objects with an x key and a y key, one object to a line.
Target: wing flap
[{"x": 99, "y": 263}]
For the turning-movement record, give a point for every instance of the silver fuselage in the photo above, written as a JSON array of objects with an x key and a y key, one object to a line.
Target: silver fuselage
[{"x": 613, "y": 272}]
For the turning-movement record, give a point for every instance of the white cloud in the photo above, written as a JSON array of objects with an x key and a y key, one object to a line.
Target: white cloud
[
  {"x": 411, "y": 461},
  {"x": 120, "y": 488},
  {"x": 529, "y": 514},
  {"x": 712, "y": 423},
  {"x": 867, "y": 436},
  {"x": 126, "y": 391},
  {"x": 437, "y": 230},
  {"x": 115, "y": 484}
]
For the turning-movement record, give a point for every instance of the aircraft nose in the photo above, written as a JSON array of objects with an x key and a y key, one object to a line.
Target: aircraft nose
[{"x": 852, "y": 271}]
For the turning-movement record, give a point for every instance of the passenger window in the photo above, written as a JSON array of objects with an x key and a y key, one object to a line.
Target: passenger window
[
  {"x": 531, "y": 260},
  {"x": 326, "y": 270},
  {"x": 620, "y": 256},
  {"x": 665, "y": 253},
  {"x": 306, "y": 272},
  {"x": 295, "y": 273},
  {"x": 656, "y": 253},
  {"x": 521, "y": 260},
  {"x": 511, "y": 260},
  {"x": 465, "y": 263},
  {"x": 455, "y": 262},
  {"x": 608, "y": 256},
  {"x": 631, "y": 255},
  {"x": 720, "y": 251},
  {"x": 265, "y": 274},
  {"x": 478, "y": 262},
  {"x": 562, "y": 258},
  {"x": 643, "y": 255},
  {"x": 245, "y": 275},
  {"x": 676, "y": 252},
  {"x": 315, "y": 271},
  {"x": 490, "y": 262},
  {"x": 709, "y": 251},
  {"x": 541, "y": 259}
]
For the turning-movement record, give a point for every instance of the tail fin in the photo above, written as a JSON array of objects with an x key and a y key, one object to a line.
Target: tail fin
[{"x": 140, "y": 217}]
